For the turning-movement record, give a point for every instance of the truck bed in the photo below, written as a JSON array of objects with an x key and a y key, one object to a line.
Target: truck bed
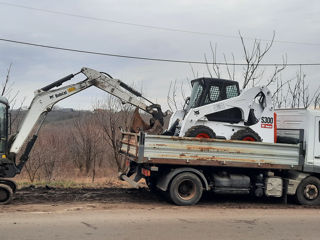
[{"x": 157, "y": 149}]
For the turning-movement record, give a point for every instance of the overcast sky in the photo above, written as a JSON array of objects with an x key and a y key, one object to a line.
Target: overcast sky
[{"x": 33, "y": 68}]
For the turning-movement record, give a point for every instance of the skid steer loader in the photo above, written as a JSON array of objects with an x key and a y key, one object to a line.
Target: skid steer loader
[{"x": 217, "y": 109}]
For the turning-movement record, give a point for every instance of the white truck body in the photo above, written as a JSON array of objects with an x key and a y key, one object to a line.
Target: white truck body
[
  {"x": 183, "y": 167},
  {"x": 308, "y": 121}
]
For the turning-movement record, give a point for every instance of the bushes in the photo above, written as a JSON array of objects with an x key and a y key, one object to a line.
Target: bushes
[{"x": 74, "y": 147}]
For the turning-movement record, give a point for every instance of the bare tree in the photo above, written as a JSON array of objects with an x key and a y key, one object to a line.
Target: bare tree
[
  {"x": 252, "y": 72},
  {"x": 215, "y": 67},
  {"x": 34, "y": 164},
  {"x": 279, "y": 99},
  {"x": 172, "y": 96},
  {"x": 253, "y": 59},
  {"x": 112, "y": 115},
  {"x": 8, "y": 91},
  {"x": 51, "y": 146},
  {"x": 86, "y": 148},
  {"x": 299, "y": 95}
]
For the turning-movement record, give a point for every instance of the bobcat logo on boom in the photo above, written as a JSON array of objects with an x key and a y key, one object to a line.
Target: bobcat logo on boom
[{"x": 58, "y": 94}]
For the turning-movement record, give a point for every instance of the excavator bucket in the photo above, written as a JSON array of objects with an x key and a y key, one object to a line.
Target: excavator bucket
[{"x": 138, "y": 124}]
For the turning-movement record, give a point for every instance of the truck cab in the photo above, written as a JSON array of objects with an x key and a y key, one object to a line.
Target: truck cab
[{"x": 306, "y": 122}]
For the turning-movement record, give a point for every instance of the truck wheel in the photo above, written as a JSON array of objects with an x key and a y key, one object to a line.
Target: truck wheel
[
  {"x": 246, "y": 135},
  {"x": 185, "y": 189},
  {"x": 200, "y": 132},
  {"x": 308, "y": 191},
  {"x": 5, "y": 194}
]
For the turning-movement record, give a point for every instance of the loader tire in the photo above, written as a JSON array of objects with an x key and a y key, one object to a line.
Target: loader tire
[
  {"x": 200, "y": 132},
  {"x": 308, "y": 191},
  {"x": 6, "y": 194},
  {"x": 246, "y": 135},
  {"x": 185, "y": 189}
]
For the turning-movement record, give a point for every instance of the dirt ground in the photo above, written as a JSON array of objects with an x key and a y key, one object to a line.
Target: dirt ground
[{"x": 49, "y": 199}]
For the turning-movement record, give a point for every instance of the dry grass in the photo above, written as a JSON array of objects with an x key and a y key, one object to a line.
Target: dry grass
[{"x": 79, "y": 182}]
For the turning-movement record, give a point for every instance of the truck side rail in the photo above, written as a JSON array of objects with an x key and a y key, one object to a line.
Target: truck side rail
[{"x": 157, "y": 149}]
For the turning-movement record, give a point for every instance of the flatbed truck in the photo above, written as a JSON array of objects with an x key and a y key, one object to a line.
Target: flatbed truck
[{"x": 184, "y": 167}]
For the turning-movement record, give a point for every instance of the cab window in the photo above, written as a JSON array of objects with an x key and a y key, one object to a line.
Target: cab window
[
  {"x": 232, "y": 91},
  {"x": 214, "y": 95}
]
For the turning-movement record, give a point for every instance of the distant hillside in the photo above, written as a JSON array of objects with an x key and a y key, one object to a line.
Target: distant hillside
[
  {"x": 66, "y": 115},
  {"x": 53, "y": 117}
]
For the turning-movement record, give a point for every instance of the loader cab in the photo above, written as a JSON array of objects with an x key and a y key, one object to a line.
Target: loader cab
[
  {"x": 211, "y": 90},
  {"x": 4, "y": 107}
]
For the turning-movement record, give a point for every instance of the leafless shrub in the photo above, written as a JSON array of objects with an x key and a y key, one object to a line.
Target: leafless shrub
[
  {"x": 111, "y": 115},
  {"x": 34, "y": 164},
  {"x": 299, "y": 95},
  {"x": 172, "y": 96},
  {"x": 86, "y": 148}
]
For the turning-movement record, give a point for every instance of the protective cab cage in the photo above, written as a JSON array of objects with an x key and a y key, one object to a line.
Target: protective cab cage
[{"x": 212, "y": 90}]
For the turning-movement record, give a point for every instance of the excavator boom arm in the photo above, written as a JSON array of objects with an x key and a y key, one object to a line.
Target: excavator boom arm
[{"x": 45, "y": 99}]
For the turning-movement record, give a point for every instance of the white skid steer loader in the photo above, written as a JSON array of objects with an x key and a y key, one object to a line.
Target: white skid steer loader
[{"x": 216, "y": 109}]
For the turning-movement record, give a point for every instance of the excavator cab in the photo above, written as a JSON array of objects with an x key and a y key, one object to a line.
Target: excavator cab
[
  {"x": 4, "y": 107},
  {"x": 210, "y": 90},
  {"x": 7, "y": 167}
]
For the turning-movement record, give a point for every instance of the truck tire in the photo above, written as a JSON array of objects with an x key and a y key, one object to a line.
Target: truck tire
[
  {"x": 246, "y": 135},
  {"x": 308, "y": 191},
  {"x": 5, "y": 194},
  {"x": 185, "y": 189},
  {"x": 200, "y": 132}
]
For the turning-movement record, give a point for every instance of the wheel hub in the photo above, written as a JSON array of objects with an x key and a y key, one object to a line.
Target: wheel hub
[
  {"x": 311, "y": 192},
  {"x": 203, "y": 135},
  {"x": 248, "y": 138},
  {"x": 187, "y": 190}
]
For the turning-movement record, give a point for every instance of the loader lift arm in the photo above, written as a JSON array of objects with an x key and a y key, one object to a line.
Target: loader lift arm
[{"x": 44, "y": 100}]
